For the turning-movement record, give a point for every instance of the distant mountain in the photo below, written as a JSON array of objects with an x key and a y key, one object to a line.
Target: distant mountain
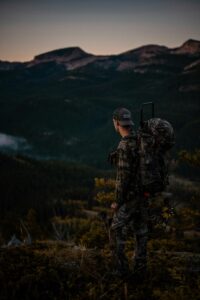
[
  {"x": 189, "y": 47},
  {"x": 74, "y": 57},
  {"x": 61, "y": 102},
  {"x": 71, "y": 58},
  {"x": 6, "y": 65},
  {"x": 64, "y": 55}
]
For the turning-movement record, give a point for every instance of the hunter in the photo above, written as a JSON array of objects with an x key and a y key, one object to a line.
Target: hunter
[{"x": 130, "y": 206}]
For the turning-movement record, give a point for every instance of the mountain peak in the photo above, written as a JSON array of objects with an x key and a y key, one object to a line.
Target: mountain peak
[
  {"x": 145, "y": 51},
  {"x": 189, "y": 47},
  {"x": 64, "y": 53},
  {"x": 191, "y": 42}
]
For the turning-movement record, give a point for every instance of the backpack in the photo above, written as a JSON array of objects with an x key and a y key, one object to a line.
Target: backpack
[{"x": 155, "y": 138}]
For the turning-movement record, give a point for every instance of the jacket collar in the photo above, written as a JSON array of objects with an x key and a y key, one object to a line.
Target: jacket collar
[{"x": 129, "y": 136}]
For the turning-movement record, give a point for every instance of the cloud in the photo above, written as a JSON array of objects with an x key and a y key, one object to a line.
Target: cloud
[{"x": 13, "y": 142}]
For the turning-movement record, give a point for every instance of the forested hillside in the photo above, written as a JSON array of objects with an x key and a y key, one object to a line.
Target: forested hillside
[{"x": 62, "y": 101}]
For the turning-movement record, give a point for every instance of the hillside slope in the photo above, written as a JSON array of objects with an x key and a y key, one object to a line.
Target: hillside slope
[{"x": 62, "y": 101}]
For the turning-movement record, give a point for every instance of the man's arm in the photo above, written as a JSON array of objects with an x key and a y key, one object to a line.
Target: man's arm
[{"x": 123, "y": 179}]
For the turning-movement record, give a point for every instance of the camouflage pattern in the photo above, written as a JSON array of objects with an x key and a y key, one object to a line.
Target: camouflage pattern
[
  {"x": 162, "y": 132},
  {"x": 126, "y": 163},
  {"x": 155, "y": 139},
  {"x": 132, "y": 211}
]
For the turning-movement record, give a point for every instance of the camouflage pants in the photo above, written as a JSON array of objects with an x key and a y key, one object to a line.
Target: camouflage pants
[{"x": 132, "y": 215}]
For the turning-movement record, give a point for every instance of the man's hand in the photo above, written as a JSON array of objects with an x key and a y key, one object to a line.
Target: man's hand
[{"x": 114, "y": 206}]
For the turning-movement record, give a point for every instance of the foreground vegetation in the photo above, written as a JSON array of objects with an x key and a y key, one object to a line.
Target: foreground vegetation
[
  {"x": 63, "y": 252},
  {"x": 56, "y": 270}
]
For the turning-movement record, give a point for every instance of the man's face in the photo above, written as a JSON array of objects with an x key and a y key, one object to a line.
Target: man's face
[{"x": 116, "y": 125}]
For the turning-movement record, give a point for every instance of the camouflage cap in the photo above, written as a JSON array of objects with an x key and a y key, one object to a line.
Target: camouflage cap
[{"x": 123, "y": 116}]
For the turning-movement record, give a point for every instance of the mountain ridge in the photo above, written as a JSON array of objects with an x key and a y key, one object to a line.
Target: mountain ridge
[{"x": 75, "y": 57}]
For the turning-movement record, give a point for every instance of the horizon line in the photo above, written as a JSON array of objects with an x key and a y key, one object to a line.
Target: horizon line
[{"x": 96, "y": 54}]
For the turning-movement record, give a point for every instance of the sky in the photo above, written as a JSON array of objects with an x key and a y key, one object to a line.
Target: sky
[{"x": 29, "y": 28}]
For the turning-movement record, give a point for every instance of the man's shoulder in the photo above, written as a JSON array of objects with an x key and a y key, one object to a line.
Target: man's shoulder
[{"x": 127, "y": 142}]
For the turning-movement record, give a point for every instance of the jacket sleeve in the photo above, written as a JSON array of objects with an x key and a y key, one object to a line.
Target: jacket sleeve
[{"x": 124, "y": 170}]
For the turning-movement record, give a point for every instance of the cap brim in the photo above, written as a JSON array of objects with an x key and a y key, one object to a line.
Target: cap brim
[{"x": 126, "y": 122}]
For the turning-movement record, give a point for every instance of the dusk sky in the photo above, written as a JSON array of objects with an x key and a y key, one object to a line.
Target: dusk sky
[{"x": 28, "y": 28}]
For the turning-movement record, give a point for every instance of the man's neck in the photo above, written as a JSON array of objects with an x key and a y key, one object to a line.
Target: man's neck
[{"x": 124, "y": 133}]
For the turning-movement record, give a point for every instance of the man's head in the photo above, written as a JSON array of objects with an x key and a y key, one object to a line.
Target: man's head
[{"x": 122, "y": 120}]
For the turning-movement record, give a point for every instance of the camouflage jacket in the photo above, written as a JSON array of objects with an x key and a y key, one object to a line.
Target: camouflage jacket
[{"x": 127, "y": 169}]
